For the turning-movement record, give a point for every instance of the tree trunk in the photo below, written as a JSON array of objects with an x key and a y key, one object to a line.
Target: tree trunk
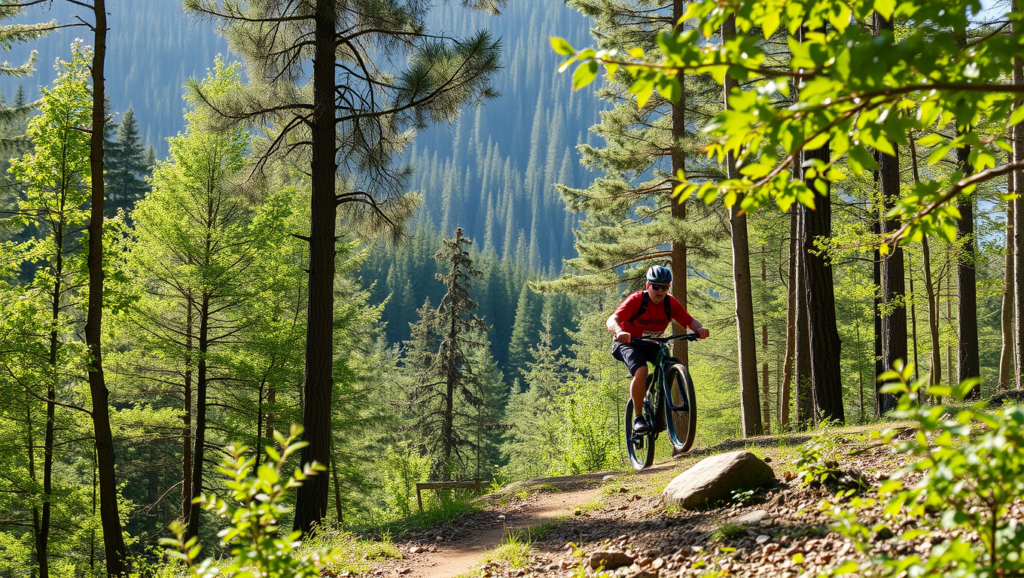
[
  {"x": 766, "y": 406},
  {"x": 337, "y": 488},
  {"x": 680, "y": 349},
  {"x": 929, "y": 287},
  {"x": 1006, "y": 369},
  {"x": 448, "y": 426},
  {"x": 860, "y": 370},
  {"x": 913, "y": 317},
  {"x": 787, "y": 378},
  {"x": 802, "y": 383},
  {"x": 186, "y": 443},
  {"x": 876, "y": 276},
  {"x": 113, "y": 541},
  {"x": 30, "y": 446},
  {"x": 967, "y": 305},
  {"x": 823, "y": 334},
  {"x": 893, "y": 270},
  {"x": 42, "y": 522},
  {"x": 312, "y": 498},
  {"x": 199, "y": 453},
  {"x": 750, "y": 405},
  {"x": 1018, "y": 221}
]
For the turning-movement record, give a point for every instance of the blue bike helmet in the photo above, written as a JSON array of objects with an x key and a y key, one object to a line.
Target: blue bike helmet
[{"x": 659, "y": 274}]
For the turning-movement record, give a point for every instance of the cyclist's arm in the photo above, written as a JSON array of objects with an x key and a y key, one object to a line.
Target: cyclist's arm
[
  {"x": 696, "y": 327},
  {"x": 613, "y": 326}
]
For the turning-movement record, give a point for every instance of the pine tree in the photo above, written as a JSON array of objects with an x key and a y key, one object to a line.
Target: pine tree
[
  {"x": 127, "y": 167},
  {"x": 355, "y": 111},
  {"x": 449, "y": 389},
  {"x": 532, "y": 442},
  {"x": 630, "y": 215},
  {"x": 524, "y": 330}
]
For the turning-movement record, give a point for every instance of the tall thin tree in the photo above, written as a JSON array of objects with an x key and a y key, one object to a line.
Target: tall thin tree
[
  {"x": 352, "y": 117},
  {"x": 750, "y": 403}
]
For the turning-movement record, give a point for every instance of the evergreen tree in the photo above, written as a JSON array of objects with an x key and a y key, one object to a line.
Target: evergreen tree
[
  {"x": 532, "y": 445},
  {"x": 190, "y": 260},
  {"x": 127, "y": 167},
  {"x": 630, "y": 215},
  {"x": 449, "y": 388},
  {"x": 351, "y": 118},
  {"x": 525, "y": 328}
]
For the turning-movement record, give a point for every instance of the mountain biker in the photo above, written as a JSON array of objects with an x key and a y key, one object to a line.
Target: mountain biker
[{"x": 646, "y": 314}]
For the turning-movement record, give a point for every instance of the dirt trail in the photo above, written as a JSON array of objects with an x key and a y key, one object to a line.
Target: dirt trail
[{"x": 461, "y": 551}]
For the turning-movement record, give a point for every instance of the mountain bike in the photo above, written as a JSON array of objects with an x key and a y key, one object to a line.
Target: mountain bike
[{"x": 669, "y": 404}]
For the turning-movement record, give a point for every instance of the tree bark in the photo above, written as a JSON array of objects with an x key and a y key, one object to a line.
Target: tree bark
[
  {"x": 823, "y": 333},
  {"x": 113, "y": 541},
  {"x": 1018, "y": 220},
  {"x": 766, "y": 407},
  {"x": 680, "y": 349},
  {"x": 967, "y": 304},
  {"x": 787, "y": 378},
  {"x": 1006, "y": 369},
  {"x": 804, "y": 402},
  {"x": 750, "y": 405},
  {"x": 312, "y": 499},
  {"x": 893, "y": 270},
  {"x": 913, "y": 316},
  {"x": 186, "y": 443},
  {"x": 929, "y": 287},
  {"x": 876, "y": 276},
  {"x": 202, "y": 382}
]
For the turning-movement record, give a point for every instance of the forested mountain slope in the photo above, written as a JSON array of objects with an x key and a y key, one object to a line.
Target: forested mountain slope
[{"x": 493, "y": 172}]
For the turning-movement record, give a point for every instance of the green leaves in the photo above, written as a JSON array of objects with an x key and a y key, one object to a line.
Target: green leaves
[
  {"x": 256, "y": 547},
  {"x": 856, "y": 90},
  {"x": 584, "y": 75},
  {"x": 561, "y": 46}
]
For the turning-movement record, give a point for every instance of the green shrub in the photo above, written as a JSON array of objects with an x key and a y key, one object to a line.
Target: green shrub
[
  {"x": 254, "y": 507},
  {"x": 817, "y": 461},
  {"x": 961, "y": 484},
  {"x": 588, "y": 432},
  {"x": 728, "y": 531}
]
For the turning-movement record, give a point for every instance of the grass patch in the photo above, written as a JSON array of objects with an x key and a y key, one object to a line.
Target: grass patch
[
  {"x": 513, "y": 549},
  {"x": 584, "y": 509},
  {"x": 358, "y": 553},
  {"x": 728, "y": 531},
  {"x": 541, "y": 531},
  {"x": 437, "y": 513}
]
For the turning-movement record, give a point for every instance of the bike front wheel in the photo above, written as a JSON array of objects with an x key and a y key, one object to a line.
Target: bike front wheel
[
  {"x": 680, "y": 408},
  {"x": 639, "y": 447}
]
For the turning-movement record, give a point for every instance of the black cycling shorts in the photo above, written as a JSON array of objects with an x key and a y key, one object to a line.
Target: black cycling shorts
[{"x": 635, "y": 356}]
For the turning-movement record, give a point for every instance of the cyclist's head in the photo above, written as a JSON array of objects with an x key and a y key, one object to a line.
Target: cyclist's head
[{"x": 659, "y": 274}]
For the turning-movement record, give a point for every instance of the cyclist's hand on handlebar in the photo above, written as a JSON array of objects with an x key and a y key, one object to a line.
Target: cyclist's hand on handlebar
[
  {"x": 623, "y": 337},
  {"x": 703, "y": 333}
]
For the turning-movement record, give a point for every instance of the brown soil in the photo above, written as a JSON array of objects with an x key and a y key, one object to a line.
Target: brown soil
[{"x": 631, "y": 518}]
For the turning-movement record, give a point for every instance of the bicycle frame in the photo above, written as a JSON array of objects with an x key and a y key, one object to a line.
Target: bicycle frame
[{"x": 656, "y": 380}]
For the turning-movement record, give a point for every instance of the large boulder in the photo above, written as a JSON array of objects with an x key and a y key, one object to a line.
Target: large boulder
[{"x": 713, "y": 480}]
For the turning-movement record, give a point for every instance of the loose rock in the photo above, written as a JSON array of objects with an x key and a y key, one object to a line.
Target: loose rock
[
  {"x": 609, "y": 559},
  {"x": 751, "y": 518},
  {"x": 714, "y": 479}
]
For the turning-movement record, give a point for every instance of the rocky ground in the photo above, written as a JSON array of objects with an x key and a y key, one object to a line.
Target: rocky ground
[{"x": 618, "y": 522}]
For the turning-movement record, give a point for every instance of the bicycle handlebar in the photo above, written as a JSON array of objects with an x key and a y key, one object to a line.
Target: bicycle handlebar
[{"x": 683, "y": 336}]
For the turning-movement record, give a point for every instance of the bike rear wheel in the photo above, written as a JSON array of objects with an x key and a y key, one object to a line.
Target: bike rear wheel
[
  {"x": 639, "y": 447},
  {"x": 680, "y": 408}
]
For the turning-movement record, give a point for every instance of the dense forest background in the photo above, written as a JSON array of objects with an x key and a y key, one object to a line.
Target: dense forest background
[{"x": 471, "y": 345}]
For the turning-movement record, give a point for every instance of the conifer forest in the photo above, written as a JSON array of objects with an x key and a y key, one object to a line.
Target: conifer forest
[{"x": 376, "y": 242}]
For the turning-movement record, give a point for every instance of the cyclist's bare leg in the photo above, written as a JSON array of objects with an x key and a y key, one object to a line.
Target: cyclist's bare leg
[{"x": 637, "y": 389}]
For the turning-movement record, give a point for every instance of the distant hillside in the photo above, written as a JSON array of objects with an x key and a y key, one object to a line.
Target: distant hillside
[{"x": 493, "y": 172}]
